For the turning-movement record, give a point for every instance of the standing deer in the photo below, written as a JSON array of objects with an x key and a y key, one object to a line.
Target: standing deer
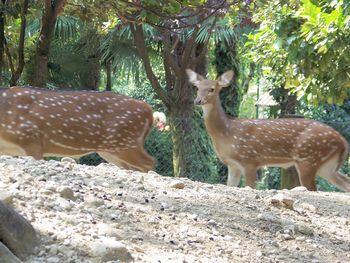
[
  {"x": 41, "y": 123},
  {"x": 245, "y": 145}
]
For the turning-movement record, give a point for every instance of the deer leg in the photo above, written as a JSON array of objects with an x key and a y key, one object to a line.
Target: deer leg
[
  {"x": 112, "y": 158},
  {"x": 340, "y": 180},
  {"x": 34, "y": 150},
  {"x": 307, "y": 175},
  {"x": 250, "y": 176},
  {"x": 135, "y": 158},
  {"x": 138, "y": 158},
  {"x": 328, "y": 172},
  {"x": 234, "y": 176}
]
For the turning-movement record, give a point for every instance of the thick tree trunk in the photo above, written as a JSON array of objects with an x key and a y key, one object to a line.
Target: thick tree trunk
[
  {"x": 289, "y": 178},
  {"x": 52, "y": 8},
  {"x": 90, "y": 77},
  {"x": 90, "y": 74},
  {"x": 177, "y": 95},
  {"x": 180, "y": 121}
]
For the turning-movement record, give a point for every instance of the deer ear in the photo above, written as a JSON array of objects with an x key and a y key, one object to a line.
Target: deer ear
[
  {"x": 225, "y": 79},
  {"x": 193, "y": 77}
]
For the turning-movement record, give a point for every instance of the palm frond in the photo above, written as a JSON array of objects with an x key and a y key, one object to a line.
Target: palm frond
[
  {"x": 67, "y": 28},
  {"x": 118, "y": 47},
  {"x": 222, "y": 31},
  {"x": 33, "y": 27}
]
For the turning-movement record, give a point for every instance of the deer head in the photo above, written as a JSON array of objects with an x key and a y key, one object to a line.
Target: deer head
[{"x": 208, "y": 90}]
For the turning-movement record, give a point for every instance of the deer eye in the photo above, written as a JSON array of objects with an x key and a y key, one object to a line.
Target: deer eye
[{"x": 211, "y": 90}]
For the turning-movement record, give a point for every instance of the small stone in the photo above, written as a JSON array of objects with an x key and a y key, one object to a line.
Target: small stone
[
  {"x": 139, "y": 249},
  {"x": 109, "y": 249},
  {"x": 299, "y": 188},
  {"x": 308, "y": 207},
  {"x": 300, "y": 238},
  {"x": 282, "y": 200},
  {"x": 211, "y": 222},
  {"x": 66, "y": 251},
  {"x": 108, "y": 230},
  {"x": 66, "y": 192},
  {"x": 93, "y": 201},
  {"x": 65, "y": 204},
  {"x": 68, "y": 160},
  {"x": 306, "y": 230},
  {"x": 141, "y": 179},
  {"x": 53, "y": 260},
  {"x": 258, "y": 253},
  {"x": 285, "y": 236},
  {"x": 177, "y": 184},
  {"x": 42, "y": 178},
  {"x": 6, "y": 197},
  {"x": 269, "y": 218}
]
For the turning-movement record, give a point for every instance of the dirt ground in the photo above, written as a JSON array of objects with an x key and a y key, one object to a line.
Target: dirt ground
[{"x": 106, "y": 214}]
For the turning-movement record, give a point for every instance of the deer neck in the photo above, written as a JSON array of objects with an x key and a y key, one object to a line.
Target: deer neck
[{"x": 215, "y": 118}]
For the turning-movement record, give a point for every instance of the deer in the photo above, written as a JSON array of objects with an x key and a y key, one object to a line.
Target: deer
[
  {"x": 40, "y": 123},
  {"x": 245, "y": 145}
]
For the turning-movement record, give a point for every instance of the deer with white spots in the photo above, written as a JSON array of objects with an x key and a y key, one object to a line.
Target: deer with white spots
[
  {"x": 41, "y": 123},
  {"x": 245, "y": 145}
]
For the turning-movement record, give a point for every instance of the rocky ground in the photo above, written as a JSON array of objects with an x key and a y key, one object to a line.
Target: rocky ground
[{"x": 105, "y": 214}]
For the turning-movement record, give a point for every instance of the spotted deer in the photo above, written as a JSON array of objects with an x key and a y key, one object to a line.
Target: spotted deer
[
  {"x": 245, "y": 145},
  {"x": 42, "y": 123}
]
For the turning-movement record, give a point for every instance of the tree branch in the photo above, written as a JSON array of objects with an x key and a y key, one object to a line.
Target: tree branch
[
  {"x": 167, "y": 51},
  {"x": 167, "y": 59},
  {"x": 142, "y": 49},
  {"x": 205, "y": 12},
  {"x": 190, "y": 45}
]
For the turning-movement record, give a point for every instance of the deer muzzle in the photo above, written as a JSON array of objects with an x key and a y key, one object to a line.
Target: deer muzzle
[{"x": 198, "y": 101}]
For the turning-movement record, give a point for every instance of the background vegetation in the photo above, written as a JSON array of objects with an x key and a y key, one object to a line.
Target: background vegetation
[{"x": 295, "y": 50}]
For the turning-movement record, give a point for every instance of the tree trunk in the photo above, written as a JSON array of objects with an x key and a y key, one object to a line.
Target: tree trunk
[
  {"x": 180, "y": 121},
  {"x": 52, "y": 8},
  {"x": 90, "y": 76},
  {"x": 2, "y": 44},
  {"x": 18, "y": 72},
  {"x": 177, "y": 95},
  {"x": 289, "y": 178},
  {"x": 90, "y": 44},
  {"x": 109, "y": 76}
]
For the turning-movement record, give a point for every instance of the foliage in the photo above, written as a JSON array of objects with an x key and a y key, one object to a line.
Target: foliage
[
  {"x": 303, "y": 46},
  {"x": 247, "y": 108},
  {"x": 269, "y": 178}
]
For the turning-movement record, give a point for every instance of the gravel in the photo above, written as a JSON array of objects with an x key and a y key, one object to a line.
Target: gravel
[{"x": 86, "y": 214}]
